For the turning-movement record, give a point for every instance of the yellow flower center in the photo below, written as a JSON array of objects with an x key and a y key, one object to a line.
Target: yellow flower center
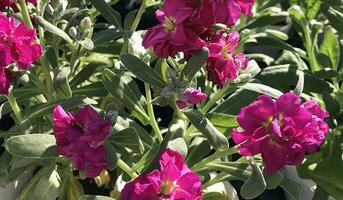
[
  {"x": 169, "y": 24},
  {"x": 167, "y": 188}
]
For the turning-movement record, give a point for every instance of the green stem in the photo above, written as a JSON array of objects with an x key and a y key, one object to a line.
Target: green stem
[
  {"x": 218, "y": 178},
  {"x": 127, "y": 169},
  {"x": 218, "y": 95},
  {"x": 152, "y": 118},
  {"x": 25, "y": 13},
  {"x": 138, "y": 16},
  {"x": 218, "y": 154},
  {"x": 309, "y": 48},
  {"x": 15, "y": 107}
]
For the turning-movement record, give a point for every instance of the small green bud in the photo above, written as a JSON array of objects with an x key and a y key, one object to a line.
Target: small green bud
[
  {"x": 86, "y": 23},
  {"x": 73, "y": 32}
]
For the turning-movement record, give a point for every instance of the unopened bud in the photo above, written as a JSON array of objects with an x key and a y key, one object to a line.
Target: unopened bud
[
  {"x": 73, "y": 32},
  {"x": 85, "y": 23}
]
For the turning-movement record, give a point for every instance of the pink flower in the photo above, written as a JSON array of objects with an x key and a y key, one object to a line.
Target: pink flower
[
  {"x": 221, "y": 11},
  {"x": 17, "y": 44},
  {"x": 6, "y": 78},
  {"x": 172, "y": 35},
  {"x": 10, "y": 3},
  {"x": 282, "y": 131},
  {"x": 191, "y": 96},
  {"x": 81, "y": 138},
  {"x": 222, "y": 63},
  {"x": 174, "y": 181}
]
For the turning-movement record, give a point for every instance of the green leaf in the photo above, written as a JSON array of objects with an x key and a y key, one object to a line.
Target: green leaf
[
  {"x": 255, "y": 185},
  {"x": 291, "y": 187},
  {"x": 108, "y": 35},
  {"x": 273, "y": 180},
  {"x": 146, "y": 160},
  {"x": 120, "y": 91},
  {"x": 300, "y": 85},
  {"x": 262, "y": 89},
  {"x": 107, "y": 12},
  {"x": 87, "y": 44},
  {"x": 111, "y": 155},
  {"x": 93, "y": 197},
  {"x": 222, "y": 121},
  {"x": 61, "y": 83},
  {"x": 44, "y": 109},
  {"x": 130, "y": 17},
  {"x": 36, "y": 146},
  {"x": 142, "y": 70},
  {"x": 197, "y": 61},
  {"x": 84, "y": 74},
  {"x": 48, "y": 186},
  {"x": 128, "y": 138},
  {"x": 197, "y": 150},
  {"x": 269, "y": 16},
  {"x": 288, "y": 75},
  {"x": 215, "y": 138},
  {"x": 71, "y": 187},
  {"x": 330, "y": 47},
  {"x": 53, "y": 29}
]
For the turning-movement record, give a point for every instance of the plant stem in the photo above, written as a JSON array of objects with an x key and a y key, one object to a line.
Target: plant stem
[
  {"x": 218, "y": 95},
  {"x": 218, "y": 178},
  {"x": 218, "y": 154},
  {"x": 15, "y": 107},
  {"x": 25, "y": 12},
  {"x": 138, "y": 16},
  {"x": 152, "y": 118},
  {"x": 127, "y": 169}
]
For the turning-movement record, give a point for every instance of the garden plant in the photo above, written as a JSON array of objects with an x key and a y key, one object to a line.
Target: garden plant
[{"x": 171, "y": 99}]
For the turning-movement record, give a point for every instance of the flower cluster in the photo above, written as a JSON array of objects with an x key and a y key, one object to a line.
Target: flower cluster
[
  {"x": 81, "y": 138},
  {"x": 16, "y": 46},
  {"x": 173, "y": 181},
  {"x": 191, "y": 96},
  {"x": 185, "y": 25},
  {"x": 281, "y": 130},
  {"x": 10, "y": 3}
]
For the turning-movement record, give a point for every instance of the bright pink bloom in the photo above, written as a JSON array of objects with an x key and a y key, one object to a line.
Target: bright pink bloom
[
  {"x": 191, "y": 96},
  {"x": 81, "y": 138},
  {"x": 174, "y": 181},
  {"x": 17, "y": 44},
  {"x": 6, "y": 78},
  {"x": 172, "y": 35},
  {"x": 227, "y": 12},
  {"x": 222, "y": 63},
  {"x": 9, "y": 3},
  {"x": 282, "y": 131}
]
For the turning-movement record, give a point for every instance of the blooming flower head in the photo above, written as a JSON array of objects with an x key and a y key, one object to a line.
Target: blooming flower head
[
  {"x": 10, "y": 3},
  {"x": 222, "y": 63},
  {"x": 172, "y": 35},
  {"x": 17, "y": 44},
  {"x": 281, "y": 130},
  {"x": 80, "y": 137},
  {"x": 227, "y": 12},
  {"x": 174, "y": 181},
  {"x": 191, "y": 96}
]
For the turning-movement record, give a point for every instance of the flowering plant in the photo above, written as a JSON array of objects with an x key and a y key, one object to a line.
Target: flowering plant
[{"x": 172, "y": 99}]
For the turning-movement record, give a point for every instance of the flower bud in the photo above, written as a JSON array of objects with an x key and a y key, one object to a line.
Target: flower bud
[
  {"x": 86, "y": 23},
  {"x": 73, "y": 32}
]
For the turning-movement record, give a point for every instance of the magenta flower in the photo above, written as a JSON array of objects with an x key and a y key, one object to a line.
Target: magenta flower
[
  {"x": 227, "y": 12},
  {"x": 282, "y": 131},
  {"x": 173, "y": 35},
  {"x": 174, "y": 181},
  {"x": 6, "y": 78},
  {"x": 81, "y": 138},
  {"x": 222, "y": 63},
  {"x": 17, "y": 44},
  {"x": 191, "y": 96}
]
